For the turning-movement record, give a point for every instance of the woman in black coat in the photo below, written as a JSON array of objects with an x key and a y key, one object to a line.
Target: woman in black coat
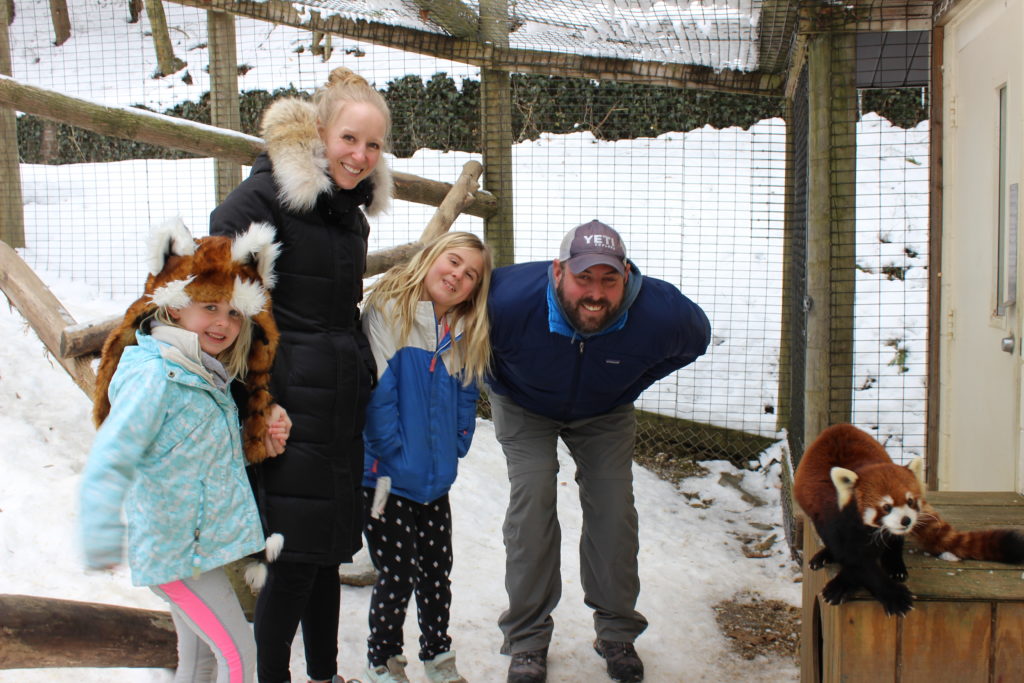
[{"x": 322, "y": 165}]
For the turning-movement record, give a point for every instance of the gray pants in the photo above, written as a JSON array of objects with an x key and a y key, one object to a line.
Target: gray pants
[{"x": 602, "y": 448}]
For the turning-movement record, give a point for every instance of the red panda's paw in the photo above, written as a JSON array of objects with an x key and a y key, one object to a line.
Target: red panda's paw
[
  {"x": 896, "y": 600},
  {"x": 838, "y": 590},
  {"x": 895, "y": 568},
  {"x": 820, "y": 559}
]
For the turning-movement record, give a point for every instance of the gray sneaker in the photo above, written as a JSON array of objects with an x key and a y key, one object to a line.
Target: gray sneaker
[
  {"x": 441, "y": 669},
  {"x": 529, "y": 667},
  {"x": 622, "y": 661},
  {"x": 391, "y": 672}
]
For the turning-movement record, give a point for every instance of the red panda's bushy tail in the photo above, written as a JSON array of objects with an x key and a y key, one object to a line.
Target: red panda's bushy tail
[{"x": 937, "y": 536}]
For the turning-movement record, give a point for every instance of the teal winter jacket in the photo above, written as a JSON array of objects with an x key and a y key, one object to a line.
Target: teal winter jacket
[{"x": 170, "y": 453}]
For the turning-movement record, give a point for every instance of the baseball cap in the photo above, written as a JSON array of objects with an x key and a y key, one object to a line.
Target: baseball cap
[{"x": 590, "y": 244}]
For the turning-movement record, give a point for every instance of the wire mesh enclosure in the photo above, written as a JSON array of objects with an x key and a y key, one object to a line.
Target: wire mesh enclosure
[{"x": 696, "y": 178}]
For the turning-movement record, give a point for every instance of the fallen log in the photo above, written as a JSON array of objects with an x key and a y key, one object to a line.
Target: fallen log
[{"x": 38, "y": 632}]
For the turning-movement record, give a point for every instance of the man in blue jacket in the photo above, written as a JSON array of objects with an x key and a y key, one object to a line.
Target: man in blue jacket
[{"x": 575, "y": 341}]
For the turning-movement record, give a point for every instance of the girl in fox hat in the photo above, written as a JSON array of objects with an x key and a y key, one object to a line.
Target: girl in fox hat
[{"x": 170, "y": 448}]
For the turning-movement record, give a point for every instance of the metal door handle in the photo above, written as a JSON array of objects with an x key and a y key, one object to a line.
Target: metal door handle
[{"x": 1008, "y": 344}]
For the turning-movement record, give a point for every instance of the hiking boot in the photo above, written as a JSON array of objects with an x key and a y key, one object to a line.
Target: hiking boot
[
  {"x": 391, "y": 672},
  {"x": 623, "y": 662},
  {"x": 441, "y": 669},
  {"x": 529, "y": 667}
]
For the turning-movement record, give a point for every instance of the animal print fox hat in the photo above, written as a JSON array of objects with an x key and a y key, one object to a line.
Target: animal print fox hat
[{"x": 183, "y": 269}]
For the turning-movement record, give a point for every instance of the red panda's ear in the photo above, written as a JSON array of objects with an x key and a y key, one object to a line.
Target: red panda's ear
[
  {"x": 844, "y": 481},
  {"x": 917, "y": 467}
]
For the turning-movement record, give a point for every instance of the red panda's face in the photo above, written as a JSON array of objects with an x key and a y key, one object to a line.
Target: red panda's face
[{"x": 888, "y": 497}]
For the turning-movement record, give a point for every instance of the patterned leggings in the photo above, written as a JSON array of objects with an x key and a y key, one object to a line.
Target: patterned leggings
[
  {"x": 215, "y": 641},
  {"x": 411, "y": 548}
]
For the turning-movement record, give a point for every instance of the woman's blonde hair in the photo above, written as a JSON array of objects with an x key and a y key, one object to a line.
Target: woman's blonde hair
[
  {"x": 235, "y": 358},
  {"x": 403, "y": 285},
  {"x": 344, "y": 87}
]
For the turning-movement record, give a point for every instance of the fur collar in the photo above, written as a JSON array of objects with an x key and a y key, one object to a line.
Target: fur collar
[{"x": 300, "y": 165}]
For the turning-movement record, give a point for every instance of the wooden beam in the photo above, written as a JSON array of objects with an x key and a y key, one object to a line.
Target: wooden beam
[
  {"x": 500, "y": 58},
  {"x": 43, "y": 632},
  {"x": 936, "y": 127},
  {"x": 43, "y": 312},
  {"x": 196, "y": 138},
  {"x": 776, "y": 32},
  {"x": 458, "y": 197},
  {"x": 943, "y": 11},
  {"x": 87, "y": 338},
  {"x": 885, "y": 15},
  {"x": 796, "y": 65},
  {"x": 451, "y": 15},
  {"x": 84, "y": 340},
  {"x": 130, "y": 123}
]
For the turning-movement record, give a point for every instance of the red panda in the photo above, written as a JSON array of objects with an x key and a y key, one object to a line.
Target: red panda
[{"x": 863, "y": 505}]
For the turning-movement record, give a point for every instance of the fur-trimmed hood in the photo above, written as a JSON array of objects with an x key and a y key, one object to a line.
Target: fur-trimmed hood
[{"x": 300, "y": 162}]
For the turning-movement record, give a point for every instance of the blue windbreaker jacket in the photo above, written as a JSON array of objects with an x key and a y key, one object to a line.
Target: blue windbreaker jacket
[
  {"x": 421, "y": 418},
  {"x": 546, "y": 366}
]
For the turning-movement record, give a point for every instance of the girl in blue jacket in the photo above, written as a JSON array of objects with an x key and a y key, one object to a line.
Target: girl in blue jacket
[
  {"x": 427, "y": 325},
  {"x": 170, "y": 447}
]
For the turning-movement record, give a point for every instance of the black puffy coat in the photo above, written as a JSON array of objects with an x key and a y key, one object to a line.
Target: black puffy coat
[{"x": 323, "y": 371}]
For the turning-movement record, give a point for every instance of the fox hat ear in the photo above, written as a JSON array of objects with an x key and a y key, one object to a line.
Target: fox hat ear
[{"x": 182, "y": 270}]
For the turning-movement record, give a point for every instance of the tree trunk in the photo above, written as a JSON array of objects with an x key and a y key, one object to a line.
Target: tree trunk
[
  {"x": 48, "y": 146},
  {"x": 166, "y": 62},
  {"x": 134, "y": 11},
  {"x": 47, "y": 632},
  {"x": 61, "y": 21}
]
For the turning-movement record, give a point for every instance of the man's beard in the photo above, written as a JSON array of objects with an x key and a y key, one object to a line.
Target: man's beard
[{"x": 575, "y": 316}]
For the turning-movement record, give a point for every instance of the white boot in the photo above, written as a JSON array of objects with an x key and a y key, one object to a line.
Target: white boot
[
  {"x": 441, "y": 669},
  {"x": 392, "y": 672}
]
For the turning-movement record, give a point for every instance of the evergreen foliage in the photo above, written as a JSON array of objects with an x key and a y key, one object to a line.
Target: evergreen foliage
[{"x": 438, "y": 114}]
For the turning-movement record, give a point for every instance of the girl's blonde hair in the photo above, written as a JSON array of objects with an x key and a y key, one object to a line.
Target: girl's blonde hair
[
  {"x": 235, "y": 358},
  {"x": 403, "y": 285},
  {"x": 344, "y": 87}
]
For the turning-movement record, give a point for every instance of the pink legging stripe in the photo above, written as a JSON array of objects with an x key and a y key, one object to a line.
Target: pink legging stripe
[{"x": 207, "y": 622}]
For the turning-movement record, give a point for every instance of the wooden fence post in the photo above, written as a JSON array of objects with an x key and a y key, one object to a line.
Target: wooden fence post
[
  {"x": 224, "y": 98},
  {"x": 831, "y": 243},
  {"x": 496, "y": 129},
  {"x": 12, "y": 220}
]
